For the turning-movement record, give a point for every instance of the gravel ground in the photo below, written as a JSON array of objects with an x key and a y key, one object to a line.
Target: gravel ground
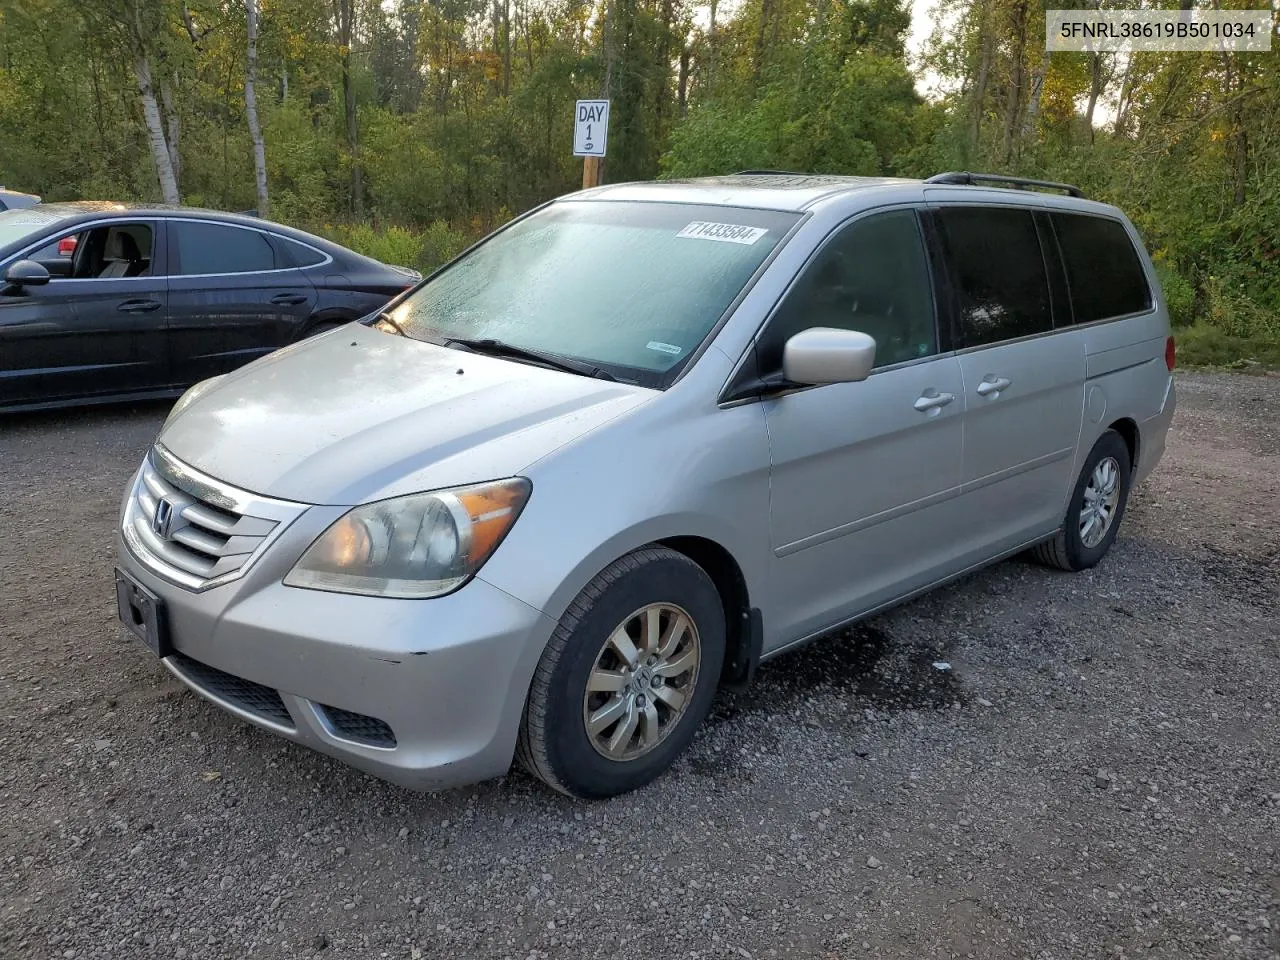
[{"x": 1096, "y": 775}]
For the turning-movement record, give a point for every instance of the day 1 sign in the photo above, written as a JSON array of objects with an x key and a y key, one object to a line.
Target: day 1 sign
[{"x": 590, "y": 128}]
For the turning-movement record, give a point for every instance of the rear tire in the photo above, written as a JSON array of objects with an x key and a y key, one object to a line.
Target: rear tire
[
  {"x": 628, "y": 676},
  {"x": 1096, "y": 509}
]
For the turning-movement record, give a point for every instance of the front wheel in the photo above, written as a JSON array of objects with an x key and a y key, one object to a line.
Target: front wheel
[
  {"x": 1097, "y": 506},
  {"x": 628, "y": 676}
]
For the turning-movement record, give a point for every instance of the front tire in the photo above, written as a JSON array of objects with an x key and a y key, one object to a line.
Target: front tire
[
  {"x": 628, "y": 676},
  {"x": 1097, "y": 507}
]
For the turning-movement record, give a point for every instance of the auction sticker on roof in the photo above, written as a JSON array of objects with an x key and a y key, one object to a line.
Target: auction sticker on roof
[{"x": 724, "y": 232}]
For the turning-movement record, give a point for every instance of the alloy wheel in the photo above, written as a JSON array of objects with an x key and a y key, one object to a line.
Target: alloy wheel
[
  {"x": 1101, "y": 498},
  {"x": 641, "y": 682}
]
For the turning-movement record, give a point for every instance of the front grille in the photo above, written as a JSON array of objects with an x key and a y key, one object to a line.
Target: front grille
[
  {"x": 251, "y": 697},
  {"x": 358, "y": 728},
  {"x": 193, "y": 532}
]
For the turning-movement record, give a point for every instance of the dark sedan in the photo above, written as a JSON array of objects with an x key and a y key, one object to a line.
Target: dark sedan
[{"x": 103, "y": 301}]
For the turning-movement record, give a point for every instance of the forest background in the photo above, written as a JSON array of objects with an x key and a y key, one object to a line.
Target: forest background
[{"x": 408, "y": 128}]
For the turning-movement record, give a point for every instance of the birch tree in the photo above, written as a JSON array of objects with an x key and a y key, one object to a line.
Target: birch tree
[{"x": 251, "y": 108}]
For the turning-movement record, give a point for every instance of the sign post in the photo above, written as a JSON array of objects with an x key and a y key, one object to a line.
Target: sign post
[{"x": 590, "y": 134}]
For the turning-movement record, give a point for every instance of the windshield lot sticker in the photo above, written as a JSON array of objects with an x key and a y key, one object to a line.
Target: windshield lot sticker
[
  {"x": 724, "y": 232},
  {"x": 663, "y": 347}
]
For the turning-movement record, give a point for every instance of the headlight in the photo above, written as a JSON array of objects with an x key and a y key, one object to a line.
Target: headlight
[
  {"x": 190, "y": 396},
  {"x": 422, "y": 545}
]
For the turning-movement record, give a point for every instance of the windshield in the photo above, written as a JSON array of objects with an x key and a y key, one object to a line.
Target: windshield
[
  {"x": 18, "y": 225},
  {"x": 630, "y": 287}
]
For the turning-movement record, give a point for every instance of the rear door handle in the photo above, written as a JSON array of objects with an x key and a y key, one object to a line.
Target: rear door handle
[
  {"x": 993, "y": 385},
  {"x": 288, "y": 299},
  {"x": 932, "y": 401},
  {"x": 139, "y": 306}
]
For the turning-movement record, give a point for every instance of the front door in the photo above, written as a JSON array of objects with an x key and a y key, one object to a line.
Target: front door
[
  {"x": 230, "y": 300},
  {"x": 98, "y": 331},
  {"x": 864, "y": 476}
]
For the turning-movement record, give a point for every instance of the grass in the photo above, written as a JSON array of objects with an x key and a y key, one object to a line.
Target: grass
[{"x": 1204, "y": 345}]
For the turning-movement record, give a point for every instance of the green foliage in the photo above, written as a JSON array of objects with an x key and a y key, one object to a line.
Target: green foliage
[
  {"x": 1179, "y": 294},
  {"x": 423, "y": 250},
  {"x": 463, "y": 114},
  {"x": 1206, "y": 345}
]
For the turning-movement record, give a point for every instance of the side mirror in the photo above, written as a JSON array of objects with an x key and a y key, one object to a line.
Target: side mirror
[
  {"x": 828, "y": 355},
  {"x": 26, "y": 273}
]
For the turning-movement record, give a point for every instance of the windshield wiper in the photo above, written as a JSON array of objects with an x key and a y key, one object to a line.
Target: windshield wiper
[
  {"x": 385, "y": 316},
  {"x": 500, "y": 348}
]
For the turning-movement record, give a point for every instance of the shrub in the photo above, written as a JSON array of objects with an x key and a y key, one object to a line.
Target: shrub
[{"x": 1179, "y": 294}]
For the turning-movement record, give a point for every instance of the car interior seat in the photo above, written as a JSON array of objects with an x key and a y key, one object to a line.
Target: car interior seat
[{"x": 123, "y": 257}]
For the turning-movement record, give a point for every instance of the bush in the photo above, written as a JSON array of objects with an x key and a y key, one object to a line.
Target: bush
[
  {"x": 1232, "y": 311},
  {"x": 401, "y": 246},
  {"x": 1204, "y": 345},
  {"x": 1179, "y": 294}
]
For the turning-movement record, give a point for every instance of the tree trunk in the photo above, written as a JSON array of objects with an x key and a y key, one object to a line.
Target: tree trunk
[
  {"x": 173, "y": 126},
  {"x": 979, "y": 105},
  {"x": 683, "y": 88},
  {"x": 1017, "y": 77},
  {"x": 506, "y": 48},
  {"x": 251, "y": 108},
  {"x": 346, "y": 13},
  {"x": 1096, "y": 82},
  {"x": 155, "y": 131},
  {"x": 1037, "y": 88},
  {"x": 1126, "y": 98},
  {"x": 711, "y": 52}
]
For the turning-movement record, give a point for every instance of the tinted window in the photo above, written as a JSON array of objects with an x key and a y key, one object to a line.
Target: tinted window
[
  {"x": 298, "y": 254},
  {"x": 997, "y": 271},
  {"x": 871, "y": 277},
  {"x": 214, "y": 248},
  {"x": 1103, "y": 270}
]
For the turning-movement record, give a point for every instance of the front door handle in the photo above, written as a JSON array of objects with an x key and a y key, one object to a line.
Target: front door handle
[
  {"x": 933, "y": 401},
  {"x": 288, "y": 299},
  {"x": 993, "y": 385},
  {"x": 139, "y": 306}
]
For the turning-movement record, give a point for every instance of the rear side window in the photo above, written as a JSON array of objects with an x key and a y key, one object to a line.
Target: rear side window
[
  {"x": 298, "y": 254},
  {"x": 205, "y": 248},
  {"x": 997, "y": 271},
  {"x": 1104, "y": 272}
]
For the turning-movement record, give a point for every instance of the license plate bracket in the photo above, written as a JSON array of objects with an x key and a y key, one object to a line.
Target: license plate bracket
[{"x": 143, "y": 613}]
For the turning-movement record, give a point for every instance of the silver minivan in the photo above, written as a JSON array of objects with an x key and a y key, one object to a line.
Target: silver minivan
[{"x": 631, "y": 445}]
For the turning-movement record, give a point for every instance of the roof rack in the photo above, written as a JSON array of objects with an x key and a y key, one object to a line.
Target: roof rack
[
  {"x": 976, "y": 179},
  {"x": 777, "y": 173}
]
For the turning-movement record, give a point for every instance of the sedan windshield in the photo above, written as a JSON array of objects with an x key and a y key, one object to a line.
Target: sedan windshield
[{"x": 632, "y": 288}]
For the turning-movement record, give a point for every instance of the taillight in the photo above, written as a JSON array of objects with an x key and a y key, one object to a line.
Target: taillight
[
  {"x": 66, "y": 246},
  {"x": 1170, "y": 354}
]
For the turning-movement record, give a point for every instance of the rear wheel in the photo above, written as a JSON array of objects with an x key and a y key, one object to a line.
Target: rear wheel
[
  {"x": 628, "y": 676},
  {"x": 1097, "y": 506}
]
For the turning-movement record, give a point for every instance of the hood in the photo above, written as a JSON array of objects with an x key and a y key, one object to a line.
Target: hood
[{"x": 358, "y": 415}]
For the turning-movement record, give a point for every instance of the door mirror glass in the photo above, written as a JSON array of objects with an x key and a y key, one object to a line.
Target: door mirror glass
[
  {"x": 828, "y": 355},
  {"x": 26, "y": 273}
]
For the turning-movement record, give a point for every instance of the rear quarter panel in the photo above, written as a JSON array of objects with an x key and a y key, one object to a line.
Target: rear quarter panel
[{"x": 1126, "y": 374}]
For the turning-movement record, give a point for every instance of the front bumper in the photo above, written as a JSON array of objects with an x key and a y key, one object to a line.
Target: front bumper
[{"x": 446, "y": 678}]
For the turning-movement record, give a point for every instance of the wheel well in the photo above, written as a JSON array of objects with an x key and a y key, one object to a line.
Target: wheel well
[
  {"x": 742, "y": 640},
  {"x": 1128, "y": 431}
]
